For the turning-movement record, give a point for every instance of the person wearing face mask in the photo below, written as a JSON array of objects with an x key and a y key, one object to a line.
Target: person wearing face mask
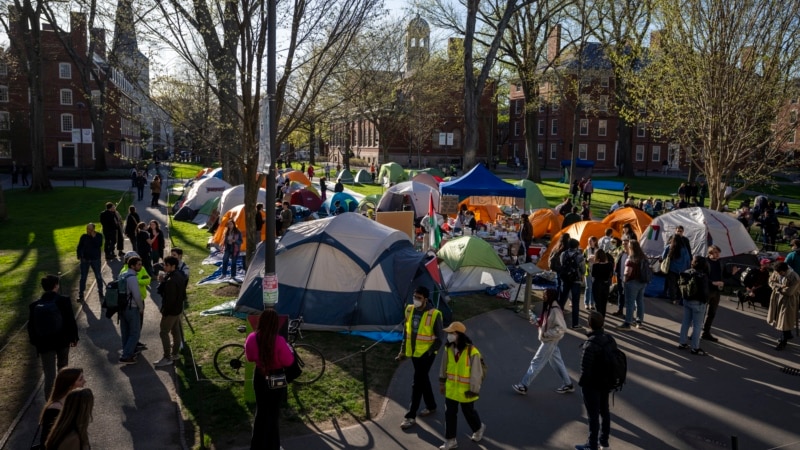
[
  {"x": 421, "y": 340},
  {"x": 460, "y": 379}
]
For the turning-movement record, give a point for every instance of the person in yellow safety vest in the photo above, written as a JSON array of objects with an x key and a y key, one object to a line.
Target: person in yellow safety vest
[
  {"x": 421, "y": 341},
  {"x": 460, "y": 378}
]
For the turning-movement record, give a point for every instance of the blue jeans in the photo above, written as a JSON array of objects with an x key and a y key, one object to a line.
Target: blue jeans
[
  {"x": 130, "y": 329},
  {"x": 226, "y": 257},
  {"x": 548, "y": 353},
  {"x": 588, "y": 298},
  {"x": 575, "y": 290},
  {"x": 634, "y": 295},
  {"x": 693, "y": 314},
  {"x": 95, "y": 266}
]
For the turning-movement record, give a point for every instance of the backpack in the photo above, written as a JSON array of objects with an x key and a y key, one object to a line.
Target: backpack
[
  {"x": 117, "y": 295},
  {"x": 484, "y": 367},
  {"x": 645, "y": 271},
  {"x": 569, "y": 270},
  {"x": 554, "y": 262},
  {"x": 615, "y": 365},
  {"x": 47, "y": 319},
  {"x": 690, "y": 283}
]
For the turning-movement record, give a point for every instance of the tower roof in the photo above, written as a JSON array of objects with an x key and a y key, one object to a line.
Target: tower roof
[{"x": 418, "y": 26}]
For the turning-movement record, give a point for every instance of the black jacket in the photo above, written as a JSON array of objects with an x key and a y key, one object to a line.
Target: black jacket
[
  {"x": 593, "y": 361},
  {"x": 173, "y": 293},
  {"x": 89, "y": 247},
  {"x": 142, "y": 247},
  {"x": 131, "y": 222},
  {"x": 69, "y": 328},
  {"x": 108, "y": 219}
]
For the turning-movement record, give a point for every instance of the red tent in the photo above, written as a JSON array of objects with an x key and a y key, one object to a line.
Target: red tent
[{"x": 307, "y": 198}]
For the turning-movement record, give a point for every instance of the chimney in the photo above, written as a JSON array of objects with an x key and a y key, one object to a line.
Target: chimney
[
  {"x": 78, "y": 32},
  {"x": 99, "y": 38},
  {"x": 553, "y": 43}
]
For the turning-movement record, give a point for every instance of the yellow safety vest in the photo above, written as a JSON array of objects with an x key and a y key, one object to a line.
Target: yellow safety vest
[
  {"x": 142, "y": 278},
  {"x": 458, "y": 374},
  {"x": 425, "y": 333}
]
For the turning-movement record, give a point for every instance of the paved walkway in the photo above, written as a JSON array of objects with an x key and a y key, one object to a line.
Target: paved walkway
[{"x": 135, "y": 406}]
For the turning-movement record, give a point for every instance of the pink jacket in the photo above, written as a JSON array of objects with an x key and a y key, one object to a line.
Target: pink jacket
[{"x": 282, "y": 357}]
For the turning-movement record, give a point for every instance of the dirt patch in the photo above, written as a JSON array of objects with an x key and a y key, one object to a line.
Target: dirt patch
[{"x": 228, "y": 290}]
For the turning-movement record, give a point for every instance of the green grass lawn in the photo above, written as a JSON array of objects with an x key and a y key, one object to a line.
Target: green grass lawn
[
  {"x": 185, "y": 170},
  {"x": 40, "y": 237}
]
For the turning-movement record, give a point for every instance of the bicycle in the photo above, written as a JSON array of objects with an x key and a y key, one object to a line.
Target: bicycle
[{"x": 229, "y": 359}]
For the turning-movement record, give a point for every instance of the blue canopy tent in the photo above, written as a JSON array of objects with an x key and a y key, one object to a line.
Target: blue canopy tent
[
  {"x": 583, "y": 168},
  {"x": 480, "y": 182}
]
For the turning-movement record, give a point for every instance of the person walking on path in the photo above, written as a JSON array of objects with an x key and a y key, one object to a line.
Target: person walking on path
[
  {"x": 551, "y": 327},
  {"x": 231, "y": 243},
  {"x": 155, "y": 191},
  {"x": 782, "y": 312},
  {"x": 460, "y": 379},
  {"x": 67, "y": 380},
  {"x": 594, "y": 389},
  {"x": 130, "y": 318},
  {"x": 714, "y": 293},
  {"x": 634, "y": 286},
  {"x": 141, "y": 181},
  {"x": 421, "y": 341},
  {"x": 71, "y": 430},
  {"x": 108, "y": 219},
  {"x": 695, "y": 287},
  {"x": 89, "y": 248},
  {"x": 172, "y": 288},
  {"x": 131, "y": 221},
  {"x": 272, "y": 354},
  {"x": 52, "y": 330}
]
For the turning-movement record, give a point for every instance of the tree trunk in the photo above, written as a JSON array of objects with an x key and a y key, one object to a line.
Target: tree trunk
[
  {"x": 624, "y": 134},
  {"x": 3, "y": 210},
  {"x": 99, "y": 145},
  {"x": 228, "y": 125},
  {"x": 471, "y": 123},
  {"x": 534, "y": 171},
  {"x": 311, "y": 142}
]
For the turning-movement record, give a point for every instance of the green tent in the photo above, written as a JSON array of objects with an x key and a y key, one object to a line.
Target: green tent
[
  {"x": 433, "y": 171},
  {"x": 470, "y": 264},
  {"x": 369, "y": 202},
  {"x": 393, "y": 171},
  {"x": 534, "y": 199},
  {"x": 346, "y": 177},
  {"x": 363, "y": 177}
]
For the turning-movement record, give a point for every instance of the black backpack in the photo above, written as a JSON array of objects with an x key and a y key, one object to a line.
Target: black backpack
[
  {"x": 117, "y": 296},
  {"x": 615, "y": 365},
  {"x": 47, "y": 319},
  {"x": 569, "y": 270},
  {"x": 691, "y": 283},
  {"x": 645, "y": 271}
]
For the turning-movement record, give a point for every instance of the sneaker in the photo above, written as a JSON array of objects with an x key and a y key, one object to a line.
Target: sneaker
[
  {"x": 520, "y": 388},
  {"x": 699, "y": 351},
  {"x": 126, "y": 361},
  {"x": 683, "y": 346},
  {"x": 175, "y": 357},
  {"x": 617, "y": 314},
  {"x": 583, "y": 447},
  {"x": 80, "y": 298},
  {"x": 638, "y": 324},
  {"x": 478, "y": 435},
  {"x": 604, "y": 447},
  {"x": 140, "y": 346},
  {"x": 708, "y": 337},
  {"x": 427, "y": 412},
  {"x": 448, "y": 444},
  {"x": 624, "y": 327},
  {"x": 163, "y": 362},
  {"x": 408, "y": 423},
  {"x": 566, "y": 389}
]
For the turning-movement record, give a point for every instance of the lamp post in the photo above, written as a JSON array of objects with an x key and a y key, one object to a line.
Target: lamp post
[{"x": 80, "y": 106}]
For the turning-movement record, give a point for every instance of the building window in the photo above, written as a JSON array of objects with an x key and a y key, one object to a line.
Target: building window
[
  {"x": 66, "y": 123},
  {"x": 516, "y": 128},
  {"x": 5, "y": 120},
  {"x": 5, "y": 150},
  {"x": 65, "y": 71},
  {"x": 640, "y": 152},
  {"x": 66, "y": 96},
  {"x": 541, "y": 128},
  {"x": 793, "y": 116},
  {"x": 554, "y": 107},
  {"x": 554, "y": 127},
  {"x": 584, "y": 127},
  {"x": 640, "y": 130},
  {"x": 96, "y": 98},
  {"x": 604, "y": 81},
  {"x": 601, "y": 152},
  {"x": 791, "y": 135},
  {"x": 541, "y": 107},
  {"x": 3, "y": 69},
  {"x": 516, "y": 149},
  {"x": 602, "y": 127},
  {"x": 540, "y": 150},
  {"x": 518, "y": 87},
  {"x": 4, "y": 94},
  {"x": 604, "y": 103},
  {"x": 517, "y": 106},
  {"x": 553, "y": 151},
  {"x": 656, "y": 157},
  {"x": 657, "y": 130},
  {"x": 583, "y": 151}
]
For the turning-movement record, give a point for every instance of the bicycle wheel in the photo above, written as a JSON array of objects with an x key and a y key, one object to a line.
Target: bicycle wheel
[
  {"x": 311, "y": 361},
  {"x": 229, "y": 362}
]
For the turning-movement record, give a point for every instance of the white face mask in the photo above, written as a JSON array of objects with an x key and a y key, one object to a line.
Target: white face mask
[
  {"x": 452, "y": 337},
  {"x": 417, "y": 304}
]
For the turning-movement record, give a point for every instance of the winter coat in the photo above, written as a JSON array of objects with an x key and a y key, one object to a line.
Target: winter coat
[{"x": 782, "y": 313}]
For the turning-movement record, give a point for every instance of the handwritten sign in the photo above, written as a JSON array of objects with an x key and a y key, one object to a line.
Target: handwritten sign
[{"x": 448, "y": 204}]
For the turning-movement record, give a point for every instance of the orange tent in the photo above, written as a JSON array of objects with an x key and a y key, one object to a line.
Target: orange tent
[
  {"x": 237, "y": 215},
  {"x": 483, "y": 213},
  {"x": 296, "y": 175},
  {"x": 638, "y": 219},
  {"x": 203, "y": 172},
  {"x": 545, "y": 221},
  {"x": 581, "y": 231}
]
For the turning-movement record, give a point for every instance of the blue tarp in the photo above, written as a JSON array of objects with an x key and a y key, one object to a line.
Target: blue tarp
[
  {"x": 481, "y": 182},
  {"x": 578, "y": 163},
  {"x": 608, "y": 185}
]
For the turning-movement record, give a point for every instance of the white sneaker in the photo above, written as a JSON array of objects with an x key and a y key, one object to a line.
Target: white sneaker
[
  {"x": 478, "y": 435},
  {"x": 448, "y": 444},
  {"x": 163, "y": 362},
  {"x": 407, "y": 423}
]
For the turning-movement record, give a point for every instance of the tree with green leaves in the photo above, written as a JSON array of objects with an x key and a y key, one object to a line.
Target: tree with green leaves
[{"x": 718, "y": 80}]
